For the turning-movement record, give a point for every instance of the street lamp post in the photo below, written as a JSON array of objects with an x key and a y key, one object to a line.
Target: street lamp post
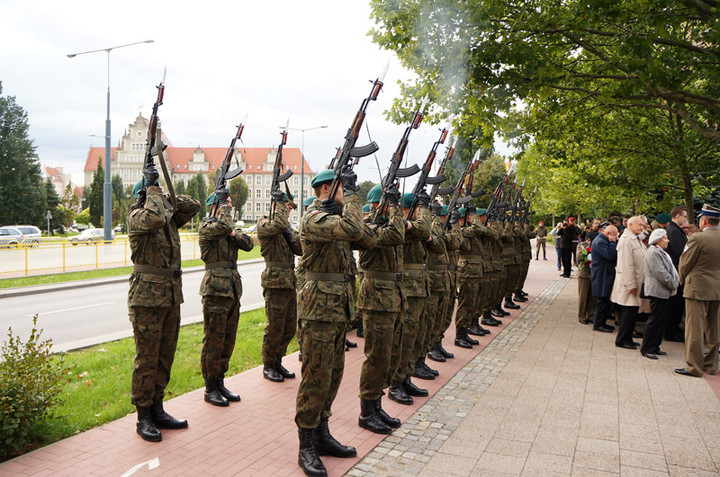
[
  {"x": 302, "y": 163},
  {"x": 107, "y": 186}
]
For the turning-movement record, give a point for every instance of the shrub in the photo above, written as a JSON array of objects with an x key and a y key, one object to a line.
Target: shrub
[{"x": 30, "y": 386}]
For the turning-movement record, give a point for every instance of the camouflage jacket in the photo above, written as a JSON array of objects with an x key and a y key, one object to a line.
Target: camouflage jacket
[
  {"x": 508, "y": 245},
  {"x": 518, "y": 239},
  {"x": 454, "y": 240},
  {"x": 378, "y": 293},
  {"x": 327, "y": 255},
  {"x": 155, "y": 242},
  {"x": 437, "y": 258},
  {"x": 496, "y": 246},
  {"x": 220, "y": 251},
  {"x": 527, "y": 247},
  {"x": 414, "y": 255},
  {"x": 470, "y": 264},
  {"x": 279, "y": 244}
]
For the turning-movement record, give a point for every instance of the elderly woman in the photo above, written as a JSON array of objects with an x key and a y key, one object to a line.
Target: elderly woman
[{"x": 661, "y": 282}]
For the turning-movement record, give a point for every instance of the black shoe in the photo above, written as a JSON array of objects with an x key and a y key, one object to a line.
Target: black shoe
[
  {"x": 604, "y": 329},
  {"x": 497, "y": 313},
  {"x": 370, "y": 419},
  {"x": 637, "y": 334},
  {"x": 350, "y": 344},
  {"x": 444, "y": 352},
  {"x": 476, "y": 330},
  {"x": 649, "y": 356},
  {"x": 522, "y": 293},
  {"x": 627, "y": 346},
  {"x": 397, "y": 393},
  {"x": 146, "y": 427},
  {"x": 511, "y": 305},
  {"x": 163, "y": 420},
  {"x": 393, "y": 422},
  {"x": 421, "y": 373},
  {"x": 282, "y": 371},
  {"x": 413, "y": 390},
  {"x": 486, "y": 331},
  {"x": 212, "y": 394},
  {"x": 462, "y": 342},
  {"x": 436, "y": 355},
  {"x": 472, "y": 341},
  {"x": 544, "y": 258},
  {"x": 490, "y": 322},
  {"x": 585, "y": 322},
  {"x": 685, "y": 372},
  {"x": 272, "y": 374},
  {"x": 226, "y": 393},
  {"x": 660, "y": 352},
  {"x": 427, "y": 368},
  {"x": 521, "y": 299},
  {"x": 326, "y": 444},
  {"x": 308, "y": 458}
]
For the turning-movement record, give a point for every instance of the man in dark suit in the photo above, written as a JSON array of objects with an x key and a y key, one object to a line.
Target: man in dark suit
[
  {"x": 568, "y": 235},
  {"x": 678, "y": 239},
  {"x": 700, "y": 272},
  {"x": 602, "y": 274}
]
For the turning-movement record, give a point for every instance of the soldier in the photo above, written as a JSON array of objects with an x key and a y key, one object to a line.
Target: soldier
[
  {"x": 326, "y": 233},
  {"x": 493, "y": 248},
  {"x": 380, "y": 301},
  {"x": 279, "y": 244},
  {"x": 488, "y": 280},
  {"x": 154, "y": 300},
  {"x": 541, "y": 233},
  {"x": 525, "y": 234},
  {"x": 221, "y": 289},
  {"x": 300, "y": 273},
  {"x": 515, "y": 254}
]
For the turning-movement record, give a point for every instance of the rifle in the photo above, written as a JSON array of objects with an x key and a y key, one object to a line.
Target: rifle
[
  {"x": 425, "y": 172},
  {"x": 506, "y": 200},
  {"x": 151, "y": 148},
  {"x": 496, "y": 203},
  {"x": 225, "y": 173},
  {"x": 469, "y": 194},
  {"x": 526, "y": 213},
  {"x": 517, "y": 203},
  {"x": 278, "y": 175},
  {"x": 436, "y": 190},
  {"x": 348, "y": 151},
  {"x": 459, "y": 188},
  {"x": 394, "y": 171}
]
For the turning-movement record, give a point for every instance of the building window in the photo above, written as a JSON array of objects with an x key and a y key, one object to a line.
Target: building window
[
  {"x": 258, "y": 179},
  {"x": 248, "y": 179},
  {"x": 257, "y": 206},
  {"x": 267, "y": 206},
  {"x": 139, "y": 133},
  {"x": 258, "y": 193},
  {"x": 305, "y": 180},
  {"x": 296, "y": 180},
  {"x": 295, "y": 193},
  {"x": 295, "y": 167},
  {"x": 267, "y": 193},
  {"x": 249, "y": 167},
  {"x": 268, "y": 180}
]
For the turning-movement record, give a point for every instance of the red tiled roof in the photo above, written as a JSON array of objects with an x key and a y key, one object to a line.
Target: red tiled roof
[
  {"x": 51, "y": 171},
  {"x": 94, "y": 155}
]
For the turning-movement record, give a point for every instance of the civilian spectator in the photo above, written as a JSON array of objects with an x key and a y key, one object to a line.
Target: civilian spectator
[
  {"x": 675, "y": 248},
  {"x": 586, "y": 300},
  {"x": 576, "y": 240},
  {"x": 661, "y": 221},
  {"x": 594, "y": 230},
  {"x": 629, "y": 276},
  {"x": 568, "y": 234},
  {"x": 602, "y": 274},
  {"x": 661, "y": 282},
  {"x": 556, "y": 239}
]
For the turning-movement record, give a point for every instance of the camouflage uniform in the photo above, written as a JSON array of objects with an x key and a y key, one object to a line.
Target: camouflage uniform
[
  {"x": 454, "y": 241},
  {"x": 412, "y": 319},
  {"x": 439, "y": 282},
  {"x": 470, "y": 273},
  {"x": 495, "y": 248},
  {"x": 155, "y": 292},
  {"x": 221, "y": 289},
  {"x": 326, "y": 299},
  {"x": 525, "y": 235},
  {"x": 380, "y": 301},
  {"x": 279, "y": 244},
  {"x": 508, "y": 254},
  {"x": 517, "y": 247}
]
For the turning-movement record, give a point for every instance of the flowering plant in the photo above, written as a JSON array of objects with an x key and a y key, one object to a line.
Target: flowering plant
[{"x": 585, "y": 259}]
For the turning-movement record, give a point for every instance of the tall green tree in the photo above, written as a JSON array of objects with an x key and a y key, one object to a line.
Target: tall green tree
[
  {"x": 197, "y": 188},
  {"x": 239, "y": 194},
  {"x": 22, "y": 193},
  {"x": 95, "y": 195}
]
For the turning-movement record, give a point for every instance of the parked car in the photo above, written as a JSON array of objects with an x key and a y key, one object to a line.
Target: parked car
[
  {"x": 88, "y": 236},
  {"x": 13, "y": 235}
]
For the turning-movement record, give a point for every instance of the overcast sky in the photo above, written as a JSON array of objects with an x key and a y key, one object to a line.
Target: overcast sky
[{"x": 306, "y": 61}]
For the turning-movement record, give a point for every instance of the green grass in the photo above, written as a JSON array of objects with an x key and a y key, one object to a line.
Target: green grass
[
  {"x": 101, "y": 273},
  {"x": 98, "y": 385}
]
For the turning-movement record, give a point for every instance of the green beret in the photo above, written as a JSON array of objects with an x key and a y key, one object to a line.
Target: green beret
[
  {"x": 462, "y": 211},
  {"x": 662, "y": 218},
  {"x": 285, "y": 197},
  {"x": 481, "y": 211},
  {"x": 375, "y": 194},
  {"x": 366, "y": 209},
  {"x": 407, "y": 200},
  {"x": 211, "y": 198},
  {"x": 308, "y": 202},
  {"x": 444, "y": 211},
  {"x": 324, "y": 176},
  {"x": 137, "y": 187}
]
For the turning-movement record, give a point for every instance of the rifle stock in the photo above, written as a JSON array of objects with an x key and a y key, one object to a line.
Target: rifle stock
[
  {"x": 225, "y": 173},
  {"x": 151, "y": 144}
]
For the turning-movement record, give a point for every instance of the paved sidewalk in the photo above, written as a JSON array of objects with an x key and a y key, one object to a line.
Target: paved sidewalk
[{"x": 542, "y": 395}]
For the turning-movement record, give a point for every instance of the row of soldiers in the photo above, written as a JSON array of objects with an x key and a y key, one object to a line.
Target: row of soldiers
[{"x": 411, "y": 271}]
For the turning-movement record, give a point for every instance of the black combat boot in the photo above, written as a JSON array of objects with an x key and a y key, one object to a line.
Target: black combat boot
[
  {"x": 146, "y": 427},
  {"x": 420, "y": 372},
  {"x": 212, "y": 393},
  {"x": 328, "y": 445},
  {"x": 397, "y": 393},
  {"x": 272, "y": 374},
  {"x": 225, "y": 392},
  {"x": 521, "y": 293},
  {"x": 393, "y": 422},
  {"x": 162, "y": 419},
  {"x": 476, "y": 329},
  {"x": 472, "y": 341},
  {"x": 488, "y": 320},
  {"x": 444, "y": 352},
  {"x": 427, "y": 368},
  {"x": 509, "y": 303},
  {"x": 308, "y": 456},
  {"x": 461, "y": 338},
  {"x": 413, "y": 390},
  {"x": 370, "y": 419},
  {"x": 283, "y": 371},
  {"x": 435, "y": 354},
  {"x": 349, "y": 344},
  {"x": 519, "y": 297}
]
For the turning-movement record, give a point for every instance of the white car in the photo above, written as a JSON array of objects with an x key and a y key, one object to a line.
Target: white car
[
  {"x": 13, "y": 235},
  {"x": 88, "y": 236}
]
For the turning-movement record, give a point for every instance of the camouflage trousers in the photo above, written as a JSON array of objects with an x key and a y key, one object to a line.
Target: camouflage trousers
[
  {"x": 281, "y": 315},
  {"x": 494, "y": 293},
  {"x": 467, "y": 301},
  {"x": 381, "y": 357},
  {"x": 450, "y": 301},
  {"x": 322, "y": 344},
  {"x": 156, "y": 333},
  {"x": 406, "y": 335},
  {"x": 524, "y": 268},
  {"x": 512, "y": 278},
  {"x": 438, "y": 316},
  {"x": 220, "y": 323}
]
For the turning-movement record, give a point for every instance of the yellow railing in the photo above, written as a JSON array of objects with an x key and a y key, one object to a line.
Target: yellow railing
[{"x": 62, "y": 255}]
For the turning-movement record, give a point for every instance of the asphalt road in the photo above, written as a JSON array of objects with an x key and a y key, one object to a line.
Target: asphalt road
[{"x": 75, "y": 317}]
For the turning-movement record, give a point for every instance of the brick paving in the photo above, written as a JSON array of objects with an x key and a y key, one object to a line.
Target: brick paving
[{"x": 542, "y": 395}]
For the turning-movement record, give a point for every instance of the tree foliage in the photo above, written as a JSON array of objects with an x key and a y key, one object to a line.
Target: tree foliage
[
  {"x": 95, "y": 195},
  {"x": 197, "y": 188}
]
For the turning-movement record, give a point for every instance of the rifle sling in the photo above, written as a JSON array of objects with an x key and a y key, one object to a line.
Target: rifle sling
[{"x": 166, "y": 175}]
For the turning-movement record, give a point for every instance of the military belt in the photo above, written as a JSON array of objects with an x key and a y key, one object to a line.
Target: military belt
[
  {"x": 329, "y": 277},
  {"x": 165, "y": 272},
  {"x": 414, "y": 266},
  {"x": 470, "y": 257},
  {"x": 383, "y": 275},
  {"x": 280, "y": 264},
  {"x": 230, "y": 265},
  {"x": 439, "y": 267}
]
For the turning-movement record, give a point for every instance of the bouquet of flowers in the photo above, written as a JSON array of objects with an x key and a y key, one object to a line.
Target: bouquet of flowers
[{"x": 585, "y": 259}]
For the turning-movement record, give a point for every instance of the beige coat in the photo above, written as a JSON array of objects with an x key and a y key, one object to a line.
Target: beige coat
[{"x": 630, "y": 271}]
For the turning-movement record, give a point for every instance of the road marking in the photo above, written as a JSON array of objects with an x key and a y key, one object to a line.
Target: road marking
[
  {"x": 152, "y": 464},
  {"x": 73, "y": 309}
]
